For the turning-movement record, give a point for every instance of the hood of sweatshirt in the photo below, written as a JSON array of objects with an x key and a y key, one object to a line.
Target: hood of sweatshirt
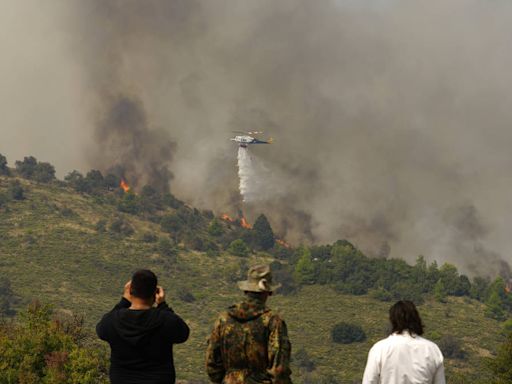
[
  {"x": 135, "y": 326},
  {"x": 247, "y": 310}
]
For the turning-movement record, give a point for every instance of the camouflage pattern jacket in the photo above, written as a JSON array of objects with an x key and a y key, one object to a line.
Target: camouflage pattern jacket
[{"x": 249, "y": 345}]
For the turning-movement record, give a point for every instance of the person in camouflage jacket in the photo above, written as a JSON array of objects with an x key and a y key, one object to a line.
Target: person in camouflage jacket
[{"x": 249, "y": 343}]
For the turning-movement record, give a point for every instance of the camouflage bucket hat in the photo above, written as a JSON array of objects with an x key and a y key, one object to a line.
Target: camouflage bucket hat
[{"x": 259, "y": 279}]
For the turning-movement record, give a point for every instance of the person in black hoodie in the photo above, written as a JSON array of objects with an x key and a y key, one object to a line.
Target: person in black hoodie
[{"x": 141, "y": 335}]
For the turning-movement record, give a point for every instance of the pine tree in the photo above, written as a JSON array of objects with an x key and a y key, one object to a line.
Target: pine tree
[
  {"x": 440, "y": 291},
  {"x": 4, "y": 170},
  {"x": 263, "y": 234},
  {"x": 305, "y": 268},
  {"x": 497, "y": 300}
]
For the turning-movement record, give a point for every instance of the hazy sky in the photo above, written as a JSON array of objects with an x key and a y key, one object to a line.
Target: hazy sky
[{"x": 391, "y": 118}]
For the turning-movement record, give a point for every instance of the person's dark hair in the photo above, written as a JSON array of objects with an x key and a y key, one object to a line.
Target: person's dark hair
[
  {"x": 144, "y": 284},
  {"x": 404, "y": 316}
]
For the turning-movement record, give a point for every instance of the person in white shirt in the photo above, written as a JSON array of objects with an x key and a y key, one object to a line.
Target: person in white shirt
[{"x": 404, "y": 357}]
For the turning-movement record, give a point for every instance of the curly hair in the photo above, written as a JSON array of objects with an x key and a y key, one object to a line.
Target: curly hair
[{"x": 405, "y": 317}]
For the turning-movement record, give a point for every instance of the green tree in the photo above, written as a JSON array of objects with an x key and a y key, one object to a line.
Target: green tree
[
  {"x": 4, "y": 170},
  {"x": 215, "y": 228},
  {"x": 95, "y": 178},
  {"x": 77, "y": 181},
  {"x": 420, "y": 272},
  {"x": 507, "y": 326},
  {"x": 16, "y": 190},
  {"x": 26, "y": 168},
  {"x": 112, "y": 181},
  {"x": 407, "y": 290},
  {"x": 451, "y": 347},
  {"x": 346, "y": 333},
  {"x": 30, "y": 168},
  {"x": 479, "y": 288},
  {"x": 262, "y": 233},
  {"x": 283, "y": 273},
  {"x": 432, "y": 274},
  {"x": 171, "y": 223},
  {"x": 129, "y": 203},
  {"x": 494, "y": 307},
  {"x": 305, "y": 268},
  {"x": 171, "y": 201},
  {"x": 44, "y": 173},
  {"x": 166, "y": 248},
  {"x": 151, "y": 200},
  {"x": 440, "y": 291},
  {"x": 238, "y": 248},
  {"x": 501, "y": 365},
  {"x": 454, "y": 284},
  {"x": 121, "y": 226},
  {"x": 497, "y": 301},
  {"x": 6, "y": 297}
]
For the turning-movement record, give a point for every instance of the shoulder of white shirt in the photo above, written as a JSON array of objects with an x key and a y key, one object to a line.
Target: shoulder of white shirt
[{"x": 395, "y": 338}]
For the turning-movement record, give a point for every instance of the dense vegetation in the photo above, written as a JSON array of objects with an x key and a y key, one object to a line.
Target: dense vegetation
[
  {"x": 39, "y": 348},
  {"x": 73, "y": 243}
]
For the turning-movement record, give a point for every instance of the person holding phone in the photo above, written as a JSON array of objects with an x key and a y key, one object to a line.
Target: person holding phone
[{"x": 141, "y": 330}]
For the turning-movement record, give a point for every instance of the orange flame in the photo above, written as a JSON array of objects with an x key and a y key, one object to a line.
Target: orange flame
[
  {"x": 244, "y": 223},
  {"x": 124, "y": 185},
  {"x": 283, "y": 243},
  {"x": 226, "y": 217},
  {"x": 508, "y": 286}
]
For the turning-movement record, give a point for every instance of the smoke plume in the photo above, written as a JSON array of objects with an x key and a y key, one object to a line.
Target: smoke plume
[
  {"x": 391, "y": 118},
  {"x": 127, "y": 147}
]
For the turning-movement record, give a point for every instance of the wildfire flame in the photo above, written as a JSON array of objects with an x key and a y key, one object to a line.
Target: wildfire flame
[
  {"x": 226, "y": 217},
  {"x": 283, "y": 243},
  {"x": 124, "y": 185},
  {"x": 508, "y": 286},
  {"x": 244, "y": 223}
]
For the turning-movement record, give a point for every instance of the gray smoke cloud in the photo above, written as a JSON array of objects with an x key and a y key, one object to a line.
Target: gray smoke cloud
[
  {"x": 390, "y": 118},
  {"x": 126, "y": 146}
]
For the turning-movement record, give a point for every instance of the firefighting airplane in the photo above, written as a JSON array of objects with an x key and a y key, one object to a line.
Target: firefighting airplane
[{"x": 247, "y": 138}]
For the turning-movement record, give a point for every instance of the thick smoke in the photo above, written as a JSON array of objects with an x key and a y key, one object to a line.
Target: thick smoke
[
  {"x": 391, "y": 118},
  {"x": 128, "y": 148},
  {"x": 257, "y": 182}
]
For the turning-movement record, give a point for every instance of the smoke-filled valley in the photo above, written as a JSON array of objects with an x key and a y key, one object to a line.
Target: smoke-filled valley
[{"x": 391, "y": 119}]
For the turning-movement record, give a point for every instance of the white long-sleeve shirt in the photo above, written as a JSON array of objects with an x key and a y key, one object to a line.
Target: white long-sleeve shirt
[{"x": 404, "y": 359}]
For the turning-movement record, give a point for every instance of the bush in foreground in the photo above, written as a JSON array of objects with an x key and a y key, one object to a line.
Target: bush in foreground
[{"x": 36, "y": 348}]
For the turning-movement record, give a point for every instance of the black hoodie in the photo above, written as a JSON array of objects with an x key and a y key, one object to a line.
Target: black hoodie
[{"x": 141, "y": 343}]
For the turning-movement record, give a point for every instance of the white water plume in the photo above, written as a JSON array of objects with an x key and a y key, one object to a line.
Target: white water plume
[
  {"x": 258, "y": 182},
  {"x": 246, "y": 174}
]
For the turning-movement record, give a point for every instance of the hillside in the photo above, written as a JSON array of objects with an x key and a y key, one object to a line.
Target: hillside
[{"x": 58, "y": 246}]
